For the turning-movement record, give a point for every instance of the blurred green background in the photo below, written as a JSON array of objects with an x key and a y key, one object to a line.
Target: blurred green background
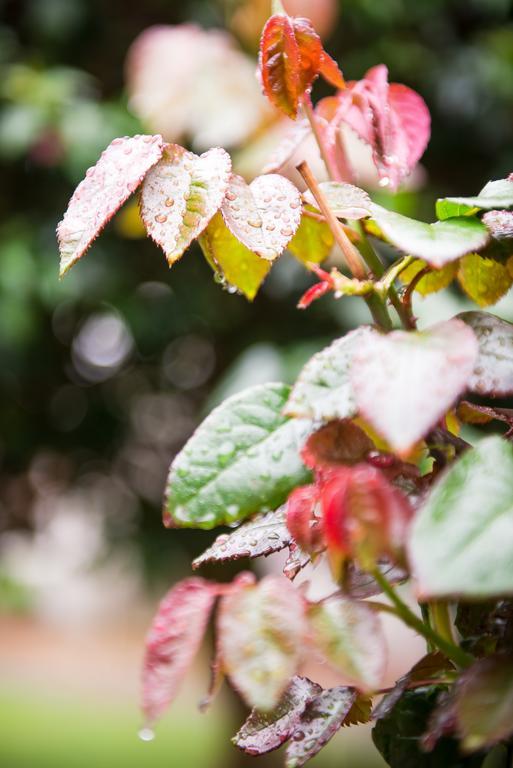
[{"x": 104, "y": 375}]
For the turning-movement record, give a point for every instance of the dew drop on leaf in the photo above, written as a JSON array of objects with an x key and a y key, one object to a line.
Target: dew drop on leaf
[{"x": 146, "y": 734}]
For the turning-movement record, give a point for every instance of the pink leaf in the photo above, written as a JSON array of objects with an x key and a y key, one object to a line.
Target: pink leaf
[
  {"x": 297, "y": 133},
  {"x": 181, "y": 194},
  {"x": 262, "y": 733},
  {"x": 173, "y": 641},
  {"x": 319, "y": 722},
  {"x": 393, "y": 119},
  {"x": 405, "y": 382},
  {"x": 263, "y": 215},
  {"x": 302, "y": 523},
  {"x": 260, "y": 630},
  {"x": 118, "y": 173}
]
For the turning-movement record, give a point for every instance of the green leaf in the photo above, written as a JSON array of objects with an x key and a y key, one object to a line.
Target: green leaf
[
  {"x": 483, "y": 702},
  {"x": 228, "y": 256},
  {"x": 493, "y": 372},
  {"x": 432, "y": 281},
  {"x": 461, "y": 541},
  {"x": 243, "y": 459},
  {"x": 260, "y": 632},
  {"x": 439, "y": 243},
  {"x": 496, "y": 194},
  {"x": 398, "y": 736},
  {"x": 313, "y": 240},
  {"x": 350, "y": 636},
  {"x": 484, "y": 280},
  {"x": 323, "y": 389}
]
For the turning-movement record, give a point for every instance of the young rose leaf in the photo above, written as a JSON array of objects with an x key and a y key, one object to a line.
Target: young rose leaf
[
  {"x": 246, "y": 437},
  {"x": 433, "y": 665},
  {"x": 313, "y": 241},
  {"x": 461, "y": 542},
  {"x": 493, "y": 371},
  {"x": 320, "y": 721},
  {"x": 437, "y": 244},
  {"x": 262, "y": 732},
  {"x": 483, "y": 702},
  {"x": 404, "y": 382},
  {"x": 118, "y": 173},
  {"x": 495, "y": 194},
  {"x": 471, "y": 413},
  {"x": 263, "y": 215},
  {"x": 499, "y": 223},
  {"x": 323, "y": 390},
  {"x": 260, "y": 632},
  {"x": 484, "y": 280},
  {"x": 302, "y": 522},
  {"x": 173, "y": 641},
  {"x": 259, "y": 537},
  {"x": 228, "y": 257},
  {"x": 345, "y": 200},
  {"x": 350, "y": 636},
  {"x": 431, "y": 282},
  {"x": 181, "y": 194},
  {"x": 338, "y": 442},
  {"x": 291, "y": 57},
  {"x": 392, "y": 119}
]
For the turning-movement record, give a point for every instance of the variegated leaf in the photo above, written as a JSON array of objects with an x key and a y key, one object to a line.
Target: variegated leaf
[
  {"x": 118, "y": 173},
  {"x": 181, "y": 194},
  {"x": 345, "y": 200}
]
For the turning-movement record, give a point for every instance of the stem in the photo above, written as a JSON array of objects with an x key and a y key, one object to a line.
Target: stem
[
  {"x": 441, "y": 620},
  {"x": 351, "y": 254},
  {"x": 408, "y": 294},
  {"x": 328, "y": 160},
  {"x": 452, "y": 651}
]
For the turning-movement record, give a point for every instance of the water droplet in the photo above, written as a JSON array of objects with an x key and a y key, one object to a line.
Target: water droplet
[
  {"x": 161, "y": 218},
  {"x": 298, "y": 736},
  {"x": 254, "y": 223},
  {"x": 146, "y": 734},
  {"x": 231, "y": 288},
  {"x": 219, "y": 278},
  {"x": 231, "y": 195},
  {"x": 287, "y": 232},
  {"x": 295, "y": 205},
  {"x": 232, "y": 510},
  {"x": 169, "y": 202},
  {"x": 270, "y": 227},
  {"x": 384, "y": 181}
]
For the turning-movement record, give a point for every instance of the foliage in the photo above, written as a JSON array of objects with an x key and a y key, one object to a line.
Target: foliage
[{"x": 370, "y": 420}]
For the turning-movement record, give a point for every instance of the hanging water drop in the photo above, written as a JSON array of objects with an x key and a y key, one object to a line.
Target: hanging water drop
[{"x": 146, "y": 734}]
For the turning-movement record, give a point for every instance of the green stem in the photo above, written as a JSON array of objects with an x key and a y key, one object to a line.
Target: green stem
[
  {"x": 441, "y": 620},
  {"x": 452, "y": 651}
]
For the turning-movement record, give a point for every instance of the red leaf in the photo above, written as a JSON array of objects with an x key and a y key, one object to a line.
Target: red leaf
[
  {"x": 313, "y": 293},
  {"x": 338, "y": 442},
  {"x": 262, "y": 733},
  {"x": 118, "y": 173},
  {"x": 291, "y": 57},
  {"x": 173, "y": 641},
  {"x": 302, "y": 523}
]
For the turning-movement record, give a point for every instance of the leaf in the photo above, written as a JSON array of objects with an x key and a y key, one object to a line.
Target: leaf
[
  {"x": 323, "y": 390},
  {"x": 291, "y": 57},
  {"x": 392, "y": 119},
  {"x": 173, "y": 641},
  {"x": 319, "y": 722},
  {"x": 398, "y": 736},
  {"x": 471, "y": 413},
  {"x": 484, "y": 280},
  {"x": 405, "y": 382},
  {"x": 461, "y": 542},
  {"x": 437, "y": 244},
  {"x": 495, "y": 194},
  {"x": 260, "y": 632},
  {"x": 239, "y": 266},
  {"x": 433, "y": 281},
  {"x": 493, "y": 372},
  {"x": 358, "y": 584},
  {"x": 248, "y": 438},
  {"x": 263, "y": 732},
  {"x": 302, "y": 522},
  {"x": 483, "y": 702},
  {"x": 485, "y": 627},
  {"x": 430, "y": 666},
  {"x": 499, "y": 223},
  {"x": 345, "y": 200},
  {"x": 263, "y": 215},
  {"x": 181, "y": 194},
  {"x": 261, "y": 536},
  {"x": 313, "y": 241},
  {"x": 350, "y": 636},
  {"x": 338, "y": 442},
  {"x": 118, "y": 173}
]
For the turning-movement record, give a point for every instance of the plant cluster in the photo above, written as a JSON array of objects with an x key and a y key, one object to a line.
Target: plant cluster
[{"x": 360, "y": 463}]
